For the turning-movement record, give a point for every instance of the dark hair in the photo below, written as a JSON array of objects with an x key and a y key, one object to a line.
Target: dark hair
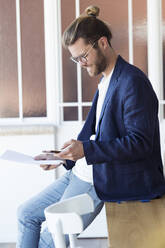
[{"x": 88, "y": 27}]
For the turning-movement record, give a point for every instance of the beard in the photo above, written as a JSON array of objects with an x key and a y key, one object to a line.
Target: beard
[{"x": 99, "y": 66}]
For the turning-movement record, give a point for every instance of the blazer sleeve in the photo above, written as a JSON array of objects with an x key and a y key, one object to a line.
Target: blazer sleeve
[
  {"x": 69, "y": 164},
  {"x": 140, "y": 110}
]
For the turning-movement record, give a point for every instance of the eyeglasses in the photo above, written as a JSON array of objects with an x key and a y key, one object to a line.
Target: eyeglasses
[{"x": 83, "y": 58}]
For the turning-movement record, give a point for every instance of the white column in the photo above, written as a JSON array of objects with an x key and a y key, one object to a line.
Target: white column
[
  {"x": 53, "y": 58},
  {"x": 155, "y": 48},
  {"x": 53, "y": 63},
  {"x": 155, "y": 58},
  {"x": 130, "y": 31},
  {"x": 79, "y": 75},
  {"x": 19, "y": 59}
]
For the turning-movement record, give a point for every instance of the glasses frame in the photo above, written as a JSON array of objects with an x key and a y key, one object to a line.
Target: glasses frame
[{"x": 83, "y": 58}]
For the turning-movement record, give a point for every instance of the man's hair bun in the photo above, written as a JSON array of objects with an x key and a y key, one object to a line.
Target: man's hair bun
[
  {"x": 92, "y": 11},
  {"x": 88, "y": 27}
]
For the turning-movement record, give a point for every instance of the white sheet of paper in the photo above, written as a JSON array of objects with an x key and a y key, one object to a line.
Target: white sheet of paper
[{"x": 18, "y": 157}]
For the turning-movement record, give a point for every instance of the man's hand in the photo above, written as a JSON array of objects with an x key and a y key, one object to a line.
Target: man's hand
[
  {"x": 72, "y": 150},
  {"x": 48, "y": 156}
]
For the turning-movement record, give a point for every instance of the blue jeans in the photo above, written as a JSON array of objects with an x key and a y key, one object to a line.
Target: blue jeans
[{"x": 31, "y": 213}]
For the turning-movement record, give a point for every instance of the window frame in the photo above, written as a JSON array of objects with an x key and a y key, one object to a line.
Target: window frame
[{"x": 53, "y": 62}]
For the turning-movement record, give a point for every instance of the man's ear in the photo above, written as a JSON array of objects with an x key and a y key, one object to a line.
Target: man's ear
[{"x": 103, "y": 43}]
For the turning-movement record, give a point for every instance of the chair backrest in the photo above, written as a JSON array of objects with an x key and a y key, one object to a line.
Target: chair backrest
[{"x": 68, "y": 213}]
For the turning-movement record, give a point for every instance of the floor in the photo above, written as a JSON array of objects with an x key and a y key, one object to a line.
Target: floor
[{"x": 84, "y": 243}]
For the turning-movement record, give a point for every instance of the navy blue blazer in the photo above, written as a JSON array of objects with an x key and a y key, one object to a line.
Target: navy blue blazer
[{"x": 125, "y": 154}]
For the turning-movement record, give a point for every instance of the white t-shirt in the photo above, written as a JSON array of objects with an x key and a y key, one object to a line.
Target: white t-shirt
[{"x": 81, "y": 169}]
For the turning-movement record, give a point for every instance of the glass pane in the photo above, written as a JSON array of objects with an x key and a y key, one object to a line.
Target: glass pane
[
  {"x": 85, "y": 112},
  {"x": 140, "y": 34},
  {"x": 116, "y": 14},
  {"x": 9, "y": 105},
  {"x": 33, "y": 58},
  {"x": 70, "y": 113},
  {"x": 69, "y": 68}
]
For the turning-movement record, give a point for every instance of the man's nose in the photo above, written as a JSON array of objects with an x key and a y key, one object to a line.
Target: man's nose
[{"x": 81, "y": 63}]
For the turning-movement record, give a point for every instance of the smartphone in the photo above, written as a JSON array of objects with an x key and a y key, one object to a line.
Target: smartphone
[{"x": 52, "y": 151}]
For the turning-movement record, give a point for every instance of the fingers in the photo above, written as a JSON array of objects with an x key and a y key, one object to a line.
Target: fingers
[
  {"x": 45, "y": 166},
  {"x": 66, "y": 144},
  {"x": 73, "y": 150},
  {"x": 66, "y": 153},
  {"x": 49, "y": 166},
  {"x": 46, "y": 156},
  {"x": 40, "y": 157}
]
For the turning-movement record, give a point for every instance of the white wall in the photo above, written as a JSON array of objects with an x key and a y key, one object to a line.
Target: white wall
[{"x": 19, "y": 182}]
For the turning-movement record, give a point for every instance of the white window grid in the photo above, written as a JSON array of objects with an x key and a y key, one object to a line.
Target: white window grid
[{"x": 53, "y": 61}]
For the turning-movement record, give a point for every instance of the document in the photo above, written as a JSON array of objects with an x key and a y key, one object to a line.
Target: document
[{"x": 18, "y": 157}]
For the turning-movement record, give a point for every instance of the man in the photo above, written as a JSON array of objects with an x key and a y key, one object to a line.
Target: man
[{"x": 116, "y": 156}]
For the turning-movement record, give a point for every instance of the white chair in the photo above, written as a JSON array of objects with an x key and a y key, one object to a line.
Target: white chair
[{"x": 64, "y": 217}]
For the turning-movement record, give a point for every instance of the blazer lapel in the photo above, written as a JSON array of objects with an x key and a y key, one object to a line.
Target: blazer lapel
[{"x": 111, "y": 88}]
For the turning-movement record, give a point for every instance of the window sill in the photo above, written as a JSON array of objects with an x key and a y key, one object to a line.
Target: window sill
[{"x": 33, "y": 129}]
